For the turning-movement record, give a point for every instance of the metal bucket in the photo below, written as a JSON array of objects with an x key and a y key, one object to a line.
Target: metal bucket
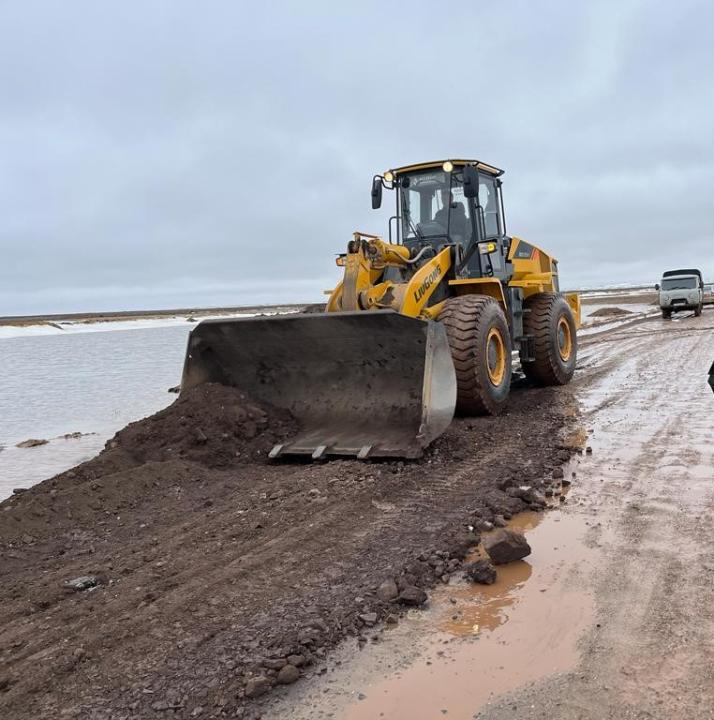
[{"x": 368, "y": 384}]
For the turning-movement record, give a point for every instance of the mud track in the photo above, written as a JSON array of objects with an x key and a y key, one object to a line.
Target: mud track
[{"x": 215, "y": 566}]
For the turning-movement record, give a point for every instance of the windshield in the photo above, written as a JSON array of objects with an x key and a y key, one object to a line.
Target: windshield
[
  {"x": 433, "y": 204},
  {"x": 679, "y": 283}
]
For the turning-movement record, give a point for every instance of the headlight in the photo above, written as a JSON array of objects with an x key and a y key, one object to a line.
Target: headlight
[
  {"x": 389, "y": 176},
  {"x": 487, "y": 247},
  {"x": 448, "y": 166}
]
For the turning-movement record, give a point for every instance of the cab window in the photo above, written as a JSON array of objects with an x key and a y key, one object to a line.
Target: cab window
[{"x": 488, "y": 200}]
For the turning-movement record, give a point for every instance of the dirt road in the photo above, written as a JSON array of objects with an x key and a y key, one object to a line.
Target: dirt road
[
  {"x": 214, "y": 567},
  {"x": 613, "y": 615},
  {"x": 215, "y": 574}
]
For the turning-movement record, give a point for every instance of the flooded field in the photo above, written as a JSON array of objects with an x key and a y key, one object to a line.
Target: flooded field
[{"x": 91, "y": 382}]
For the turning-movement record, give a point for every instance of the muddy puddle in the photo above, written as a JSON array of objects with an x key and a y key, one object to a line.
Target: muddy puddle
[{"x": 474, "y": 642}]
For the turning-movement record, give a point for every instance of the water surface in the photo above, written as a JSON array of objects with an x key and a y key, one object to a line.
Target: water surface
[{"x": 89, "y": 382}]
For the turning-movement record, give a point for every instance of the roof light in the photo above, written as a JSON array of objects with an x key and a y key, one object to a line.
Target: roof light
[
  {"x": 448, "y": 166},
  {"x": 389, "y": 176}
]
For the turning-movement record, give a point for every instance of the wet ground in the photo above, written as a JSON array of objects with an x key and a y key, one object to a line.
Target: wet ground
[
  {"x": 467, "y": 647},
  {"x": 612, "y": 616},
  {"x": 210, "y": 574}
]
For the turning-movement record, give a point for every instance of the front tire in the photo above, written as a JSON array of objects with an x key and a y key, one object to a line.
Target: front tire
[
  {"x": 698, "y": 311},
  {"x": 480, "y": 345},
  {"x": 549, "y": 321},
  {"x": 667, "y": 314}
]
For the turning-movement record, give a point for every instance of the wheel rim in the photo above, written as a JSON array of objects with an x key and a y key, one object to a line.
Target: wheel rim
[
  {"x": 495, "y": 356},
  {"x": 565, "y": 339}
]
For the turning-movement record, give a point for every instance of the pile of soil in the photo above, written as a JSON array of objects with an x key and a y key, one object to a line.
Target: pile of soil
[
  {"x": 210, "y": 424},
  {"x": 214, "y": 569},
  {"x": 610, "y": 312}
]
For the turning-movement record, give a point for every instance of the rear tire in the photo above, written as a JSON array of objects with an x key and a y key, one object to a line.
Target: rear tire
[
  {"x": 480, "y": 345},
  {"x": 551, "y": 324}
]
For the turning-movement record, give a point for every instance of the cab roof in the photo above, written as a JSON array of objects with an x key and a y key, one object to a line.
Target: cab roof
[{"x": 484, "y": 167}]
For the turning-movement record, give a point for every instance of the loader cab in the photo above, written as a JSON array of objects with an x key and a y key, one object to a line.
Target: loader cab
[{"x": 434, "y": 210}]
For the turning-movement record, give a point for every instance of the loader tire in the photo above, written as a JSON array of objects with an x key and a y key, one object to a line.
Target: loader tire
[
  {"x": 481, "y": 350},
  {"x": 549, "y": 321}
]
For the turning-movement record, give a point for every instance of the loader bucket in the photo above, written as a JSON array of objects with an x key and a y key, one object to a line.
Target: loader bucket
[{"x": 368, "y": 384}]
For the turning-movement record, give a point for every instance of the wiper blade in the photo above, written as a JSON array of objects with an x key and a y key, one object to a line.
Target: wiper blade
[{"x": 408, "y": 216}]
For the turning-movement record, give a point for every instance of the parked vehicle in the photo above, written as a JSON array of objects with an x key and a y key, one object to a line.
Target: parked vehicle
[{"x": 680, "y": 290}]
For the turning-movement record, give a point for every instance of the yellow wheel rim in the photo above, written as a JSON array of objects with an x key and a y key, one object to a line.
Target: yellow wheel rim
[
  {"x": 565, "y": 339},
  {"x": 495, "y": 356}
]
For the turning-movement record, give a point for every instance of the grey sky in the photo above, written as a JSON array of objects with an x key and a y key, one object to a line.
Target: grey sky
[{"x": 163, "y": 154}]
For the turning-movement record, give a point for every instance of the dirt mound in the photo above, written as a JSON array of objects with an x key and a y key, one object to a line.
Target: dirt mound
[
  {"x": 216, "y": 570},
  {"x": 170, "y": 457},
  {"x": 210, "y": 424},
  {"x": 610, "y": 312}
]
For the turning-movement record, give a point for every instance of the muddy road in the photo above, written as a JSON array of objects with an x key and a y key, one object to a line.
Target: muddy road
[
  {"x": 613, "y": 614},
  {"x": 216, "y": 570}
]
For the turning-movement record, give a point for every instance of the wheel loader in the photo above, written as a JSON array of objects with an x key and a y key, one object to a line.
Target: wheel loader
[{"x": 422, "y": 325}]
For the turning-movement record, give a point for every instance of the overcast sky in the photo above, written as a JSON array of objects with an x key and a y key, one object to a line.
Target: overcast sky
[{"x": 164, "y": 154}]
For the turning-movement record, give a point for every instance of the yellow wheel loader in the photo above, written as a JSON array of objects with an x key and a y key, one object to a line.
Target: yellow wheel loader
[{"x": 421, "y": 325}]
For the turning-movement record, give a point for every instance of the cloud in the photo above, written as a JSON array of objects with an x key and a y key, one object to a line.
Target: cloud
[{"x": 168, "y": 154}]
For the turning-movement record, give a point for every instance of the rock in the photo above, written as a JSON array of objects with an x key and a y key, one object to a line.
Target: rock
[
  {"x": 288, "y": 675},
  {"x": 558, "y": 473},
  {"x": 500, "y": 521},
  {"x": 27, "y": 539},
  {"x": 528, "y": 494},
  {"x": 388, "y": 590},
  {"x": 391, "y": 619},
  {"x": 296, "y": 660},
  {"x": 484, "y": 525},
  {"x": 18, "y": 491},
  {"x": 83, "y": 582},
  {"x": 368, "y": 618},
  {"x": 535, "y": 498},
  {"x": 176, "y": 389},
  {"x": 257, "y": 686},
  {"x": 76, "y": 435},
  {"x": 32, "y": 442},
  {"x": 505, "y": 546},
  {"x": 412, "y": 595},
  {"x": 201, "y": 437},
  {"x": 481, "y": 572},
  {"x": 588, "y": 450},
  {"x": 275, "y": 664}
]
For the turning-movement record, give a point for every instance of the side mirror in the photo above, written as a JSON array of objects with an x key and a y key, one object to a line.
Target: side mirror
[
  {"x": 470, "y": 181},
  {"x": 376, "y": 192},
  {"x": 657, "y": 286}
]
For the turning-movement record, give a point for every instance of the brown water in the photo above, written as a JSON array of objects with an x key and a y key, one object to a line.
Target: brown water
[{"x": 475, "y": 642}]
